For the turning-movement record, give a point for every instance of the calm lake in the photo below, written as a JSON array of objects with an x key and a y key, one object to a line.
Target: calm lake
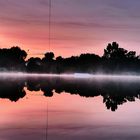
[{"x": 61, "y": 108}]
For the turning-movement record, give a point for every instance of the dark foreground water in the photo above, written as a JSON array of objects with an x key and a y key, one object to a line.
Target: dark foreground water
[{"x": 69, "y": 108}]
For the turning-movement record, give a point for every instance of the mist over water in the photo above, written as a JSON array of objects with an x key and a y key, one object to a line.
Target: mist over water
[
  {"x": 81, "y": 106},
  {"x": 83, "y": 97},
  {"x": 126, "y": 76},
  {"x": 115, "y": 89}
]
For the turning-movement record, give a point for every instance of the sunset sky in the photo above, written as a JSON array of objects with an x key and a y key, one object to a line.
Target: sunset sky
[{"x": 78, "y": 26}]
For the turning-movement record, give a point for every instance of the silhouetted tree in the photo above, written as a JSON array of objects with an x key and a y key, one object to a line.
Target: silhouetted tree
[
  {"x": 12, "y": 59},
  {"x": 114, "y": 60},
  {"x": 49, "y": 56},
  {"x": 49, "y": 63},
  {"x": 34, "y": 65}
]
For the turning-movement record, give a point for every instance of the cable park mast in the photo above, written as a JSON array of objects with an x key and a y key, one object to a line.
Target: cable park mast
[
  {"x": 49, "y": 46},
  {"x": 49, "y": 22}
]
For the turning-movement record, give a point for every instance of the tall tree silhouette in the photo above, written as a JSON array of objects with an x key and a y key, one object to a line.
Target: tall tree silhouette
[
  {"x": 114, "y": 60},
  {"x": 48, "y": 63},
  {"x": 12, "y": 59}
]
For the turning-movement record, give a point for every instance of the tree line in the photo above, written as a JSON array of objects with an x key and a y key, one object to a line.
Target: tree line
[{"x": 114, "y": 60}]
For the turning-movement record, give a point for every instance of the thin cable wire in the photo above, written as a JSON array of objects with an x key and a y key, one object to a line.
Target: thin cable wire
[
  {"x": 50, "y": 15},
  {"x": 47, "y": 125}
]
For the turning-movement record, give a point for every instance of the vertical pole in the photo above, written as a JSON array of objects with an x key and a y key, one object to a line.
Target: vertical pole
[
  {"x": 47, "y": 121},
  {"x": 50, "y": 14}
]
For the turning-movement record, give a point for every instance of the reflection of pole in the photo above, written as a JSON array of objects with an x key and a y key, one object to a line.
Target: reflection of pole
[
  {"x": 50, "y": 14},
  {"x": 47, "y": 120}
]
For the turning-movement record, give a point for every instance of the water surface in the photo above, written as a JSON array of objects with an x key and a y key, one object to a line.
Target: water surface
[{"x": 60, "y": 108}]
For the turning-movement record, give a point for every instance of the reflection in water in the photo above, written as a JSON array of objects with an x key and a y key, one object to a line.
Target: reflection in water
[
  {"x": 69, "y": 117},
  {"x": 11, "y": 89},
  {"x": 114, "y": 92}
]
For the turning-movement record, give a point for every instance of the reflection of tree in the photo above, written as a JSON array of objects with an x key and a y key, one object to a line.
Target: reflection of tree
[
  {"x": 12, "y": 90},
  {"x": 113, "y": 93}
]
